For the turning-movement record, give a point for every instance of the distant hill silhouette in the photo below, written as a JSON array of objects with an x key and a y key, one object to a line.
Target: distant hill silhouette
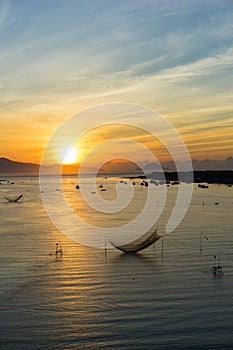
[
  {"x": 9, "y": 166},
  {"x": 116, "y": 166},
  {"x": 206, "y": 164},
  {"x": 120, "y": 166}
]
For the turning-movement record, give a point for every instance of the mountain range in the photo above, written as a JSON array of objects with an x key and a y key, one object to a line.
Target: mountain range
[{"x": 115, "y": 166}]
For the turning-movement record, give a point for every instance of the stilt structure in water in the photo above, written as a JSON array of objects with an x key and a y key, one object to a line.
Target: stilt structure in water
[
  {"x": 201, "y": 242},
  {"x": 105, "y": 248},
  {"x": 162, "y": 249},
  {"x": 201, "y": 239},
  {"x": 217, "y": 266}
]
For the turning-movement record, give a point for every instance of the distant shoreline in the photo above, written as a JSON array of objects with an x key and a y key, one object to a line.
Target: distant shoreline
[{"x": 199, "y": 176}]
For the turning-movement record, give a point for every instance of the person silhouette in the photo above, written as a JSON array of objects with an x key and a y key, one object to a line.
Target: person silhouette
[{"x": 58, "y": 249}]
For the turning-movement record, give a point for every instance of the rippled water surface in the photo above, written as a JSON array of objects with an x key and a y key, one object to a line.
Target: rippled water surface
[{"x": 95, "y": 299}]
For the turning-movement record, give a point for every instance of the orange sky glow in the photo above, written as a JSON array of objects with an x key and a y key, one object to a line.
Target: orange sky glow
[{"x": 52, "y": 69}]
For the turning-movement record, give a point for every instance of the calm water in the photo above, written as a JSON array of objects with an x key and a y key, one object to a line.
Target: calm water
[{"x": 87, "y": 300}]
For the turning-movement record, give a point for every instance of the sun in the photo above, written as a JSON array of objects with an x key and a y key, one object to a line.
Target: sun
[{"x": 70, "y": 155}]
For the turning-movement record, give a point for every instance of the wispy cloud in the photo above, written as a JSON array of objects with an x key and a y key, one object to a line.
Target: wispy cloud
[
  {"x": 4, "y": 8},
  {"x": 200, "y": 67},
  {"x": 132, "y": 80},
  {"x": 175, "y": 57}
]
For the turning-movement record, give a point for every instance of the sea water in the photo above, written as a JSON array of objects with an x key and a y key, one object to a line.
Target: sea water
[{"x": 165, "y": 297}]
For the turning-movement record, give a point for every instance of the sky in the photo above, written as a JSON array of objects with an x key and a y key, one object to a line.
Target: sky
[{"x": 59, "y": 57}]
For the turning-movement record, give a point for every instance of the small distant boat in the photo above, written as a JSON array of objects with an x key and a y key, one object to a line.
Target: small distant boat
[
  {"x": 13, "y": 198},
  {"x": 203, "y": 186},
  {"x": 154, "y": 182},
  {"x": 178, "y": 183}
]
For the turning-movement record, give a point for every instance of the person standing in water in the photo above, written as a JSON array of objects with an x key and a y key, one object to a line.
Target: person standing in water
[{"x": 58, "y": 249}]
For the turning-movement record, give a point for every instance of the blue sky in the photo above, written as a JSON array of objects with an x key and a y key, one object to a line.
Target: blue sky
[{"x": 58, "y": 57}]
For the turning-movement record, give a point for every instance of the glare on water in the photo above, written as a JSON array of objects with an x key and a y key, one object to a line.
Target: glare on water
[{"x": 92, "y": 299}]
